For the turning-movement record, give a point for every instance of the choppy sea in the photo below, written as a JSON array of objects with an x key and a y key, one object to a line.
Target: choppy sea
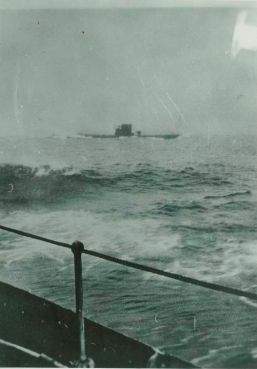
[{"x": 187, "y": 205}]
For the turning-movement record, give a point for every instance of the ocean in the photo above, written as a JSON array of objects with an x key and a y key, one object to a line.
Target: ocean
[{"x": 187, "y": 206}]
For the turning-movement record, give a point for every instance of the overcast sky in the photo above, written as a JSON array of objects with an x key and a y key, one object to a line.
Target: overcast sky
[{"x": 66, "y": 71}]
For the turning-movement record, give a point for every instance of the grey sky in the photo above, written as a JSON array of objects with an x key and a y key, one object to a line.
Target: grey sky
[{"x": 87, "y": 70}]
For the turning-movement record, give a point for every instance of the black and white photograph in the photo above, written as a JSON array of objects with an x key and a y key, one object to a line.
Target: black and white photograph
[{"x": 128, "y": 183}]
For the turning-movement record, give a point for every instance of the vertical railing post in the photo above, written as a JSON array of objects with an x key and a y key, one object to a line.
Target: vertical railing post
[{"x": 84, "y": 361}]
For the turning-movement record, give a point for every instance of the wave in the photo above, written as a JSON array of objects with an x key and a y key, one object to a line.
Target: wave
[
  {"x": 232, "y": 194},
  {"x": 236, "y": 205},
  {"x": 20, "y": 183},
  {"x": 165, "y": 179},
  {"x": 170, "y": 209},
  {"x": 234, "y": 228}
]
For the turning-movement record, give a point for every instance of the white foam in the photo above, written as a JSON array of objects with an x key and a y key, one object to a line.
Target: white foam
[
  {"x": 254, "y": 353},
  {"x": 211, "y": 354},
  {"x": 248, "y": 302},
  {"x": 129, "y": 239}
]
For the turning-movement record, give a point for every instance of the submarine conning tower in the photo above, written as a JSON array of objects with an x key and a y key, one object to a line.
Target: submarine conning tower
[{"x": 124, "y": 130}]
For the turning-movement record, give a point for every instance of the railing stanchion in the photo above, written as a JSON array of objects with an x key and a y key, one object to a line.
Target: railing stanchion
[{"x": 84, "y": 361}]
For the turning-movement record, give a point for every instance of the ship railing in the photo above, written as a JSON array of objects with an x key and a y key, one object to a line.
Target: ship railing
[{"x": 78, "y": 249}]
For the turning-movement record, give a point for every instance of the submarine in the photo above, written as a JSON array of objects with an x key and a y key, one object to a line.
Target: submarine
[{"x": 125, "y": 130}]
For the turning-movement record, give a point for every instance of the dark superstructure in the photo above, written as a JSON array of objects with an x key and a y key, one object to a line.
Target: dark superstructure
[{"x": 124, "y": 130}]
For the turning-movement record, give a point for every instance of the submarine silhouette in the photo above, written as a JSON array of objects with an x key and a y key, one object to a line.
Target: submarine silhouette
[{"x": 125, "y": 130}]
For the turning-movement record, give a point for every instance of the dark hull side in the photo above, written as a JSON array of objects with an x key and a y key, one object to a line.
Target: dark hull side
[
  {"x": 45, "y": 327},
  {"x": 167, "y": 137}
]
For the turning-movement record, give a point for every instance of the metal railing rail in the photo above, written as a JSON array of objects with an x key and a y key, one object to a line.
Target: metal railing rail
[
  {"x": 47, "y": 359},
  {"x": 145, "y": 268},
  {"x": 78, "y": 248}
]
